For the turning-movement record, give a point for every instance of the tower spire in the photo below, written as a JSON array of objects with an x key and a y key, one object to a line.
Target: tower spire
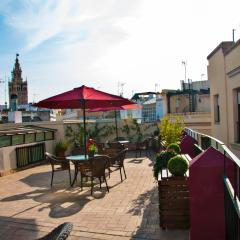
[
  {"x": 17, "y": 71},
  {"x": 18, "y": 89}
]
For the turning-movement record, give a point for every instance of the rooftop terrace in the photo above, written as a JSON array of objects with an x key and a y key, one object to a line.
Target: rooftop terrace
[{"x": 29, "y": 208}]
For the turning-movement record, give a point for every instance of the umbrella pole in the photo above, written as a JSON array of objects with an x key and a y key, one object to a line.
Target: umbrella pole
[
  {"x": 84, "y": 127},
  {"x": 116, "y": 124}
]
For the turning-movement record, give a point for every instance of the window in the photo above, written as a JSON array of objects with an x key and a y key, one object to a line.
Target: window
[
  {"x": 238, "y": 115},
  {"x": 216, "y": 109}
]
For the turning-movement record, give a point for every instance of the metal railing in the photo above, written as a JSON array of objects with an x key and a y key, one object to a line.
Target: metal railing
[
  {"x": 231, "y": 181},
  {"x": 30, "y": 154}
]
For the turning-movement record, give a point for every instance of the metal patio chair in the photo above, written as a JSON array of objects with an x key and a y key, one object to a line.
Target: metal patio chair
[
  {"x": 58, "y": 164},
  {"x": 61, "y": 232},
  {"x": 98, "y": 166},
  {"x": 117, "y": 163}
]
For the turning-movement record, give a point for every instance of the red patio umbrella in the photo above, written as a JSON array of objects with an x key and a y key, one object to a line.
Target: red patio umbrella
[
  {"x": 123, "y": 107},
  {"x": 84, "y": 98}
]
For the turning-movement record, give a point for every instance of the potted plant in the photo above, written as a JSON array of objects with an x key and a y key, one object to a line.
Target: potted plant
[
  {"x": 163, "y": 157},
  {"x": 91, "y": 147},
  {"x": 161, "y": 162},
  {"x": 178, "y": 166},
  {"x": 171, "y": 129},
  {"x": 174, "y": 195},
  {"x": 174, "y": 147},
  {"x": 61, "y": 147}
]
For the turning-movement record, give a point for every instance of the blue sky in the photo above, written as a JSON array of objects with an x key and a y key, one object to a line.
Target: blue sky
[{"x": 141, "y": 43}]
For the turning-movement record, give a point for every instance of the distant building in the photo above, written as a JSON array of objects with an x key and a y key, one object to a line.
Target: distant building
[
  {"x": 18, "y": 89},
  {"x": 77, "y": 114},
  {"x": 193, "y": 97},
  {"x": 151, "y": 111},
  {"x": 196, "y": 85}
]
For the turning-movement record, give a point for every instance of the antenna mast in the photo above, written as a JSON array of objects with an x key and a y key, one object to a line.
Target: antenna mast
[
  {"x": 233, "y": 35},
  {"x": 120, "y": 88}
]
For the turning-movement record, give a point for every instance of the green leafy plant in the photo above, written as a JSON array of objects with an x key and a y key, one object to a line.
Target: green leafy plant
[
  {"x": 127, "y": 130},
  {"x": 178, "y": 166},
  {"x": 107, "y": 130},
  {"x": 61, "y": 147},
  {"x": 161, "y": 162},
  {"x": 75, "y": 135},
  {"x": 138, "y": 133},
  {"x": 171, "y": 129},
  {"x": 174, "y": 147},
  {"x": 96, "y": 132}
]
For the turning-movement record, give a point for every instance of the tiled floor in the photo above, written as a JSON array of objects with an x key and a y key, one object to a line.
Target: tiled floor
[{"x": 29, "y": 208}]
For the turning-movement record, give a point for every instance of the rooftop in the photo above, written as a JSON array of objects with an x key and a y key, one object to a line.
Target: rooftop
[{"x": 30, "y": 208}]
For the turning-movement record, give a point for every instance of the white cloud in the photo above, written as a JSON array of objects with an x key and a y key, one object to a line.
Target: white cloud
[
  {"x": 98, "y": 43},
  {"x": 43, "y": 20}
]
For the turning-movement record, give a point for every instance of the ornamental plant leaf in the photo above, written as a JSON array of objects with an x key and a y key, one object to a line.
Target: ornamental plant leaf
[{"x": 171, "y": 129}]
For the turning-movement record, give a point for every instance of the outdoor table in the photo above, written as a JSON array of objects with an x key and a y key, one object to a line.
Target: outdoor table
[
  {"x": 123, "y": 142},
  {"x": 76, "y": 160}
]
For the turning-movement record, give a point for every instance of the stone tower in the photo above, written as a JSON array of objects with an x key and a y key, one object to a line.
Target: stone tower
[{"x": 18, "y": 89}]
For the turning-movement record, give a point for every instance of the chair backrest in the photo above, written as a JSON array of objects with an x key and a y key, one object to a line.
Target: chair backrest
[
  {"x": 98, "y": 165},
  {"x": 50, "y": 157},
  {"x": 120, "y": 157},
  {"x": 111, "y": 152},
  {"x": 57, "y": 161},
  {"x": 100, "y": 147},
  {"x": 116, "y": 145}
]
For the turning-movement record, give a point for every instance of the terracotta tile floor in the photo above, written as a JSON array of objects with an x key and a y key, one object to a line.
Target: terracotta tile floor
[{"x": 29, "y": 208}]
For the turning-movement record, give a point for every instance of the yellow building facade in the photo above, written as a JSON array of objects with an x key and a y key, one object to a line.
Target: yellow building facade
[{"x": 224, "y": 77}]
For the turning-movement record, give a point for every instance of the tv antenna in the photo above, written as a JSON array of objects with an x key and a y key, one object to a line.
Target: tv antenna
[
  {"x": 233, "y": 35},
  {"x": 184, "y": 63},
  {"x": 120, "y": 88}
]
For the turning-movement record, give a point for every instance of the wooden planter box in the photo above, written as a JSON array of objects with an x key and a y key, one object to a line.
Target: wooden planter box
[{"x": 173, "y": 202}]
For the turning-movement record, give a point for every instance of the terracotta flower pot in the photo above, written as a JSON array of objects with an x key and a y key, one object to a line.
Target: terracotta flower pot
[{"x": 60, "y": 153}]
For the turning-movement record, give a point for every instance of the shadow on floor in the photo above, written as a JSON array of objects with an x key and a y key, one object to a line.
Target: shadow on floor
[
  {"x": 61, "y": 200},
  {"x": 60, "y": 203},
  {"x": 43, "y": 179},
  {"x": 21, "y": 229},
  {"x": 147, "y": 205}
]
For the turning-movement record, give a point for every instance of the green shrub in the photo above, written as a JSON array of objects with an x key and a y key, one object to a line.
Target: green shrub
[
  {"x": 61, "y": 145},
  {"x": 178, "y": 166},
  {"x": 174, "y": 147},
  {"x": 162, "y": 161},
  {"x": 171, "y": 129}
]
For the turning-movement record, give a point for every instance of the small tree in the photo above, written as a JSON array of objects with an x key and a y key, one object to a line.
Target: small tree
[{"x": 171, "y": 129}]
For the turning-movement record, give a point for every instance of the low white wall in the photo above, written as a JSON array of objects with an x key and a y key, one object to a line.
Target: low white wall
[
  {"x": 8, "y": 160},
  {"x": 8, "y": 154}
]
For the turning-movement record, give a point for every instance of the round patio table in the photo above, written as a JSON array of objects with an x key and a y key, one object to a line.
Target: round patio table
[{"x": 123, "y": 142}]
